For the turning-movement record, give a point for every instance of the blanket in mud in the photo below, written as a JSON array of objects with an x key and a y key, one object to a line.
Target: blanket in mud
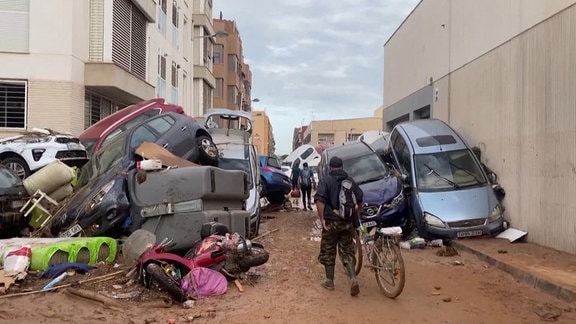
[{"x": 203, "y": 282}]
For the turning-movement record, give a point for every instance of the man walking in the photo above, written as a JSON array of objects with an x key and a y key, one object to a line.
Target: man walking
[
  {"x": 306, "y": 181},
  {"x": 338, "y": 201}
]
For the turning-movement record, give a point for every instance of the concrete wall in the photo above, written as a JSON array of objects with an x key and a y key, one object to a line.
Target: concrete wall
[{"x": 511, "y": 92}]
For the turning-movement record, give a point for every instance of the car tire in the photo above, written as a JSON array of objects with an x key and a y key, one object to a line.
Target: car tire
[
  {"x": 276, "y": 198},
  {"x": 18, "y": 166},
  {"x": 207, "y": 151}
]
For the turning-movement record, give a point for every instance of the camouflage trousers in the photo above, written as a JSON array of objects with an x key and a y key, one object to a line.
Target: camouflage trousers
[{"x": 339, "y": 237}]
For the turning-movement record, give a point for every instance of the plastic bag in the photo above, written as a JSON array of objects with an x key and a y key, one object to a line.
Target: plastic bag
[
  {"x": 203, "y": 282},
  {"x": 17, "y": 261}
]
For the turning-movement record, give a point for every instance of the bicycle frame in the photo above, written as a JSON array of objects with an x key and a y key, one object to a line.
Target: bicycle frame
[{"x": 389, "y": 241}]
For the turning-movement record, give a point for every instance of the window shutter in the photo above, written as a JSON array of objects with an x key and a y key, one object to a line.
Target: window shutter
[{"x": 14, "y": 25}]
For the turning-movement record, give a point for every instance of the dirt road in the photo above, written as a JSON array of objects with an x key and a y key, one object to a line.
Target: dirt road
[{"x": 288, "y": 291}]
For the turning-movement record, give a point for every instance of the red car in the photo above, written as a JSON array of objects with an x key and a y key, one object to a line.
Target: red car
[{"x": 100, "y": 134}]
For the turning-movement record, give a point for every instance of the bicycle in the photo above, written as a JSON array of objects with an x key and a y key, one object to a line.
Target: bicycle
[{"x": 381, "y": 246}]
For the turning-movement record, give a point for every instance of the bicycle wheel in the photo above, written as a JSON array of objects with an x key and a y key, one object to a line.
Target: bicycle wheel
[
  {"x": 359, "y": 255},
  {"x": 388, "y": 266}
]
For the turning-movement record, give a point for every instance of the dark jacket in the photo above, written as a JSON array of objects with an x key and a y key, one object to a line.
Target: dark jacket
[
  {"x": 295, "y": 175},
  {"x": 329, "y": 190}
]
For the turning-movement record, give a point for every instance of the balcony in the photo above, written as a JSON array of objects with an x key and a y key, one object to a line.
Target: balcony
[
  {"x": 148, "y": 8},
  {"x": 203, "y": 72},
  {"x": 115, "y": 82}
]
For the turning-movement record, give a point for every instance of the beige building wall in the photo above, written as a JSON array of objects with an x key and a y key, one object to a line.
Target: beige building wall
[
  {"x": 262, "y": 134},
  {"x": 336, "y": 132},
  {"x": 510, "y": 92}
]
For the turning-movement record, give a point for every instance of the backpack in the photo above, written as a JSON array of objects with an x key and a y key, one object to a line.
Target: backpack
[
  {"x": 305, "y": 176},
  {"x": 347, "y": 199}
]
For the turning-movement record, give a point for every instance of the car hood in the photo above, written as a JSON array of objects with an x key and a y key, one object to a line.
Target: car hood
[
  {"x": 380, "y": 191},
  {"x": 457, "y": 205}
]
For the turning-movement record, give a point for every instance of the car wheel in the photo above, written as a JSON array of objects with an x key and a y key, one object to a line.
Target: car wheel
[
  {"x": 208, "y": 152},
  {"x": 276, "y": 198},
  {"x": 18, "y": 166}
]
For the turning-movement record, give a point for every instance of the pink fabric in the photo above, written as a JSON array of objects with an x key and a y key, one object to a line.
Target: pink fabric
[{"x": 204, "y": 282}]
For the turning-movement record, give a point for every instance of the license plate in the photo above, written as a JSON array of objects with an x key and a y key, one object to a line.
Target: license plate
[
  {"x": 73, "y": 146},
  {"x": 469, "y": 233},
  {"x": 369, "y": 224},
  {"x": 71, "y": 231}
]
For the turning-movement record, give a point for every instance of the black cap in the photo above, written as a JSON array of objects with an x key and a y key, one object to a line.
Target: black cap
[{"x": 336, "y": 162}]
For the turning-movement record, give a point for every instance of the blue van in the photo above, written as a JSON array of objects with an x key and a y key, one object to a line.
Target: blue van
[
  {"x": 384, "y": 199},
  {"x": 451, "y": 195}
]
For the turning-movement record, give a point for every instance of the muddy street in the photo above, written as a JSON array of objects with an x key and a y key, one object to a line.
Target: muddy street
[{"x": 458, "y": 289}]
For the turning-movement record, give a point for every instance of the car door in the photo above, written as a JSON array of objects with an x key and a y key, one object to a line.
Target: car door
[{"x": 164, "y": 126}]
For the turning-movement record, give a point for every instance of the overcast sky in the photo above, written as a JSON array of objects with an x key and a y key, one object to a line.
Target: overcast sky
[{"x": 314, "y": 59}]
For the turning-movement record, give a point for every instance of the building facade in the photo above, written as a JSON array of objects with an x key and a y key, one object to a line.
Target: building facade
[
  {"x": 98, "y": 56},
  {"x": 507, "y": 87},
  {"x": 233, "y": 88},
  {"x": 203, "y": 40},
  {"x": 262, "y": 134},
  {"x": 325, "y": 133}
]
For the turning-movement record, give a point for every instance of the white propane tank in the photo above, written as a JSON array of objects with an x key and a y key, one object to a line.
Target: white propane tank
[
  {"x": 49, "y": 178},
  {"x": 62, "y": 192}
]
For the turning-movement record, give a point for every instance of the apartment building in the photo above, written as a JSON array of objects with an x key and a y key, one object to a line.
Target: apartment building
[
  {"x": 203, "y": 40},
  {"x": 98, "y": 56},
  {"x": 326, "y": 133},
  {"x": 233, "y": 77},
  {"x": 262, "y": 134}
]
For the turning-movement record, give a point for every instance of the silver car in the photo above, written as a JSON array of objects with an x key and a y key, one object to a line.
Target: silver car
[
  {"x": 451, "y": 196},
  {"x": 231, "y": 131}
]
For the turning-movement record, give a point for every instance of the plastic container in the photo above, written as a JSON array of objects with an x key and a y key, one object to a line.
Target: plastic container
[
  {"x": 148, "y": 165},
  {"x": 417, "y": 243}
]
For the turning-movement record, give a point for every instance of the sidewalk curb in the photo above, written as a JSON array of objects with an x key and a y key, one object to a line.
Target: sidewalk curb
[{"x": 561, "y": 292}]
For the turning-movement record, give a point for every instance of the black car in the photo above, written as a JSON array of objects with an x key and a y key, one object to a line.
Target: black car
[
  {"x": 100, "y": 205},
  {"x": 384, "y": 196},
  {"x": 12, "y": 197}
]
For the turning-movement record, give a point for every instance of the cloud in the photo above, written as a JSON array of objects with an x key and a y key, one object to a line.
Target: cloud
[{"x": 319, "y": 59}]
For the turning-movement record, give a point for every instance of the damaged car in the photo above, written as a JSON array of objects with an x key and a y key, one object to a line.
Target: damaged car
[
  {"x": 384, "y": 191},
  {"x": 100, "y": 204},
  {"x": 13, "y": 196},
  {"x": 451, "y": 196},
  {"x": 237, "y": 152},
  {"x": 27, "y": 153}
]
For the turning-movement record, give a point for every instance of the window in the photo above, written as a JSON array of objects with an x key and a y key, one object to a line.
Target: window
[
  {"x": 327, "y": 138},
  {"x": 446, "y": 171},
  {"x": 162, "y": 16},
  {"x": 161, "y": 124},
  {"x": 307, "y": 153},
  {"x": 365, "y": 168},
  {"x": 96, "y": 108},
  {"x": 161, "y": 82},
  {"x": 14, "y": 25},
  {"x": 174, "y": 14},
  {"x": 218, "y": 51},
  {"x": 232, "y": 62},
  {"x": 207, "y": 96},
  {"x": 174, "y": 74},
  {"x": 141, "y": 135},
  {"x": 402, "y": 154},
  {"x": 232, "y": 94},
  {"x": 129, "y": 37},
  {"x": 13, "y": 101},
  {"x": 219, "y": 91}
]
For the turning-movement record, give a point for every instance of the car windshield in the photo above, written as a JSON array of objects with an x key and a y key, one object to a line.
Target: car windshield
[
  {"x": 103, "y": 161},
  {"x": 444, "y": 171},
  {"x": 365, "y": 168},
  {"x": 89, "y": 145},
  {"x": 236, "y": 164},
  {"x": 8, "y": 179},
  {"x": 273, "y": 162}
]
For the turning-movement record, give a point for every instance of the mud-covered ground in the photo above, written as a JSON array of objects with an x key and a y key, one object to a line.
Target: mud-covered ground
[{"x": 457, "y": 289}]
